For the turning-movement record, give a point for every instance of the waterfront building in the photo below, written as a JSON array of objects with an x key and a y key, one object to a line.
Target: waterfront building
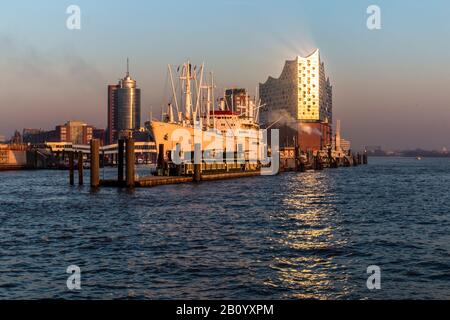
[
  {"x": 99, "y": 134},
  {"x": 4, "y": 156},
  {"x": 236, "y": 100},
  {"x": 39, "y": 136},
  {"x": 124, "y": 108},
  {"x": 300, "y": 103},
  {"x": 16, "y": 138},
  {"x": 76, "y": 132},
  {"x": 340, "y": 145},
  {"x": 111, "y": 129},
  {"x": 346, "y": 145},
  {"x": 33, "y": 136},
  {"x": 12, "y": 155}
]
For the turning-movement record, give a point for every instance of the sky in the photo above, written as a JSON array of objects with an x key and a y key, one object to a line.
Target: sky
[{"x": 391, "y": 86}]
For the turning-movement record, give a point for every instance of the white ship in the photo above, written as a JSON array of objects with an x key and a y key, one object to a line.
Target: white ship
[{"x": 231, "y": 131}]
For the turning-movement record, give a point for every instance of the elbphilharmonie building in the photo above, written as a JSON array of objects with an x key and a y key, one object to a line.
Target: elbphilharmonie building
[{"x": 302, "y": 97}]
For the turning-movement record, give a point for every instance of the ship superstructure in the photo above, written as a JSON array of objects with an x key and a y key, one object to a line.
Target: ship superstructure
[{"x": 228, "y": 132}]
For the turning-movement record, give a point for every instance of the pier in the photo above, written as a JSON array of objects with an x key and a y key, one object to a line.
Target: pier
[
  {"x": 291, "y": 160},
  {"x": 22, "y": 157}
]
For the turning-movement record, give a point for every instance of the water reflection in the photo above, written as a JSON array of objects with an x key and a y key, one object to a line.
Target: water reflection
[
  {"x": 308, "y": 238},
  {"x": 290, "y": 236}
]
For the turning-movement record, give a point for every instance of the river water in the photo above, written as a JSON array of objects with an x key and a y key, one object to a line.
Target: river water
[{"x": 293, "y": 236}]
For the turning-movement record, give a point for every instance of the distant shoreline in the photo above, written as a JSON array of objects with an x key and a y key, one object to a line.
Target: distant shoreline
[{"x": 409, "y": 156}]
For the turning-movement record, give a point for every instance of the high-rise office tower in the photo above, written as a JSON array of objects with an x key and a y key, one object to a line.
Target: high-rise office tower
[
  {"x": 112, "y": 118},
  {"x": 124, "y": 108}
]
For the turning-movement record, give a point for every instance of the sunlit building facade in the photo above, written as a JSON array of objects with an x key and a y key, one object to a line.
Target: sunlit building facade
[
  {"x": 300, "y": 99},
  {"x": 124, "y": 109},
  {"x": 76, "y": 132},
  {"x": 111, "y": 129},
  {"x": 236, "y": 99},
  {"x": 346, "y": 145}
]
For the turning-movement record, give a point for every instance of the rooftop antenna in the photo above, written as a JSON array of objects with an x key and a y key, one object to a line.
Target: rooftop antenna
[{"x": 128, "y": 67}]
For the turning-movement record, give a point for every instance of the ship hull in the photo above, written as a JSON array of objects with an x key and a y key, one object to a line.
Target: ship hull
[{"x": 244, "y": 144}]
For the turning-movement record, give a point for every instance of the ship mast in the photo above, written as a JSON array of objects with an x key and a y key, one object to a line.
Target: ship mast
[
  {"x": 188, "y": 101},
  {"x": 212, "y": 98},
  {"x": 208, "y": 107},
  {"x": 199, "y": 89},
  {"x": 174, "y": 93},
  {"x": 192, "y": 100},
  {"x": 209, "y": 100}
]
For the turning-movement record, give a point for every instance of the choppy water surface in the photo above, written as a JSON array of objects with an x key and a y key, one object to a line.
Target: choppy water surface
[{"x": 292, "y": 236}]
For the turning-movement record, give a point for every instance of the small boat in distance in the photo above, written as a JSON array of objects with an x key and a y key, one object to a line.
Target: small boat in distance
[{"x": 419, "y": 158}]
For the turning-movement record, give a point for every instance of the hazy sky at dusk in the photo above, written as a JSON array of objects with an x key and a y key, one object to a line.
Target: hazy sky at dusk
[{"x": 391, "y": 87}]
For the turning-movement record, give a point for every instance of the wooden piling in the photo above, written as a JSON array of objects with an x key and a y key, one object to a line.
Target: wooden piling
[
  {"x": 225, "y": 160},
  {"x": 71, "y": 169},
  {"x": 330, "y": 158},
  {"x": 317, "y": 165},
  {"x": 80, "y": 168},
  {"x": 178, "y": 167},
  {"x": 198, "y": 162},
  {"x": 130, "y": 162},
  {"x": 36, "y": 158},
  {"x": 95, "y": 163},
  {"x": 333, "y": 163},
  {"x": 160, "y": 162},
  {"x": 297, "y": 159},
  {"x": 121, "y": 148},
  {"x": 236, "y": 152},
  {"x": 160, "y": 156},
  {"x": 302, "y": 167}
]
